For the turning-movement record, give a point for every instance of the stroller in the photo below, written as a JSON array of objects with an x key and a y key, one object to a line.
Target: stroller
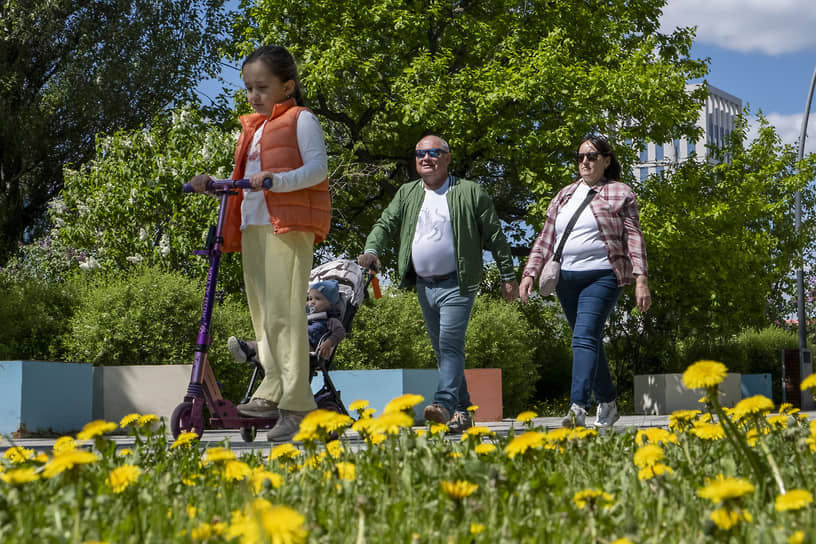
[{"x": 203, "y": 389}]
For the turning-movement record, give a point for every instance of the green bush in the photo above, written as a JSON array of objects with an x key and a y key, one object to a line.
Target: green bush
[{"x": 390, "y": 333}]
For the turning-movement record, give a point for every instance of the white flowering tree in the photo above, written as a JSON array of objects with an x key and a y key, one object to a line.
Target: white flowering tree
[{"x": 126, "y": 207}]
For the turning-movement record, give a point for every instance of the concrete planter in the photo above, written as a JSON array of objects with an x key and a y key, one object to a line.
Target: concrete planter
[
  {"x": 485, "y": 388},
  {"x": 661, "y": 394},
  {"x": 44, "y": 397},
  {"x": 756, "y": 384},
  {"x": 142, "y": 389}
]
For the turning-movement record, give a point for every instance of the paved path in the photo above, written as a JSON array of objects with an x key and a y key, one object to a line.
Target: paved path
[{"x": 216, "y": 437}]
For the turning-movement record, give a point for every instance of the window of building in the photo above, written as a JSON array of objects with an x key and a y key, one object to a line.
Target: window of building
[
  {"x": 644, "y": 173},
  {"x": 658, "y": 152}
]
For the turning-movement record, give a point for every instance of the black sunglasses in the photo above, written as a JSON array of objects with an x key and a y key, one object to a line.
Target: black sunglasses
[
  {"x": 434, "y": 153},
  {"x": 592, "y": 156}
]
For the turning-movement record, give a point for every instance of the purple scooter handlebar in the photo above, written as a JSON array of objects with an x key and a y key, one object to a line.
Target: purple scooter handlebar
[{"x": 224, "y": 184}]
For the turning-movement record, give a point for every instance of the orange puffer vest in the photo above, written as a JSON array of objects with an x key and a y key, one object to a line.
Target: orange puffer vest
[{"x": 307, "y": 209}]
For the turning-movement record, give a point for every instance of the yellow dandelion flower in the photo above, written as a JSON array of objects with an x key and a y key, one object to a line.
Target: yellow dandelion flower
[
  {"x": 438, "y": 428},
  {"x": 346, "y": 471},
  {"x": 121, "y": 477},
  {"x": 680, "y": 420},
  {"x": 622, "y": 540},
  {"x": 477, "y": 431},
  {"x": 335, "y": 449},
  {"x": 359, "y": 405},
  {"x": 306, "y": 436},
  {"x": 17, "y": 476},
  {"x": 725, "y": 487},
  {"x": 403, "y": 403},
  {"x": 527, "y": 416},
  {"x": 648, "y": 455},
  {"x": 703, "y": 374},
  {"x": 128, "y": 419},
  {"x": 751, "y": 437},
  {"x": 797, "y": 538},
  {"x": 557, "y": 435},
  {"x": 808, "y": 382},
  {"x": 369, "y": 412},
  {"x": 708, "y": 431},
  {"x": 650, "y": 471},
  {"x": 96, "y": 428},
  {"x": 364, "y": 425},
  {"x": 655, "y": 435},
  {"x": 18, "y": 454},
  {"x": 757, "y": 405},
  {"x": 184, "y": 439},
  {"x": 41, "y": 457},
  {"x": 459, "y": 489},
  {"x": 260, "y": 476},
  {"x": 207, "y": 531},
  {"x": 147, "y": 419},
  {"x": 593, "y": 498},
  {"x": 726, "y": 518},
  {"x": 392, "y": 422},
  {"x": 420, "y": 432},
  {"x": 579, "y": 433},
  {"x": 788, "y": 408},
  {"x": 472, "y": 408},
  {"x": 484, "y": 449},
  {"x": 236, "y": 470},
  {"x": 324, "y": 421},
  {"x": 261, "y": 521},
  {"x": 124, "y": 452},
  {"x": 477, "y": 528},
  {"x": 64, "y": 444},
  {"x": 454, "y": 455},
  {"x": 66, "y": 461},
  {"x": 778, "y": 421},
  {"x": 795, "y": 499},
  {"x": 376, "y": 438},
  {"x": 216, "y": 455},
  {"x": 531, "y": 440},
  {"x": 191, "y": 511}
]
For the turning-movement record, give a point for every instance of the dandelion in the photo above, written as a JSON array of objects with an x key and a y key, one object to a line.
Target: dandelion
[
  {"x": 797, "y": 538},
  {"x": 459, "y": 489},
  {"x": 726, "y": 518},
  {"x": 19, "y": 476},
  {"x": 680, "y": 420},
  {"x": 795, "y": 499},
  {"x": 260, "y": 476},
  {"x": 207, "y": 531},
  {"x": 477, "y": 528},
  {"x": 708, "y": 431},
  {"x": 472, "y": 408},
  {"x": 648, "y": 455},
  {"x": 359, "y": 405},
  {"x": 476, "y": 431},
  {"x": 124, "y": 452},
  {"x": 655, "y": 435},
  {"x": 808, "y": 382},
  {"x": 403, "y": 403},
  {"x": 129, "y": 419},
  {"x": 392, "y": 422},
  {"x": 66, "y": 461},
  {"x": 261, "y": 521},
  {"x": 778, "y": 421},
  {"x": 147, "y": 419},
  {"x": 526, "y": 416},
  {"x": 622, "y": 540},
  {"x": 18, "y": 454},
  {"x": 704, "y": 374},
  {"x": 335, "y": 449},
  {"x": 236, "y": 470},
  {"x": 650, "y": 471},
  {"x": 346, "y": 471},
  {"x": 96, "y": 428},
  {"x": 723, "y": 488},
  {"x": 121, "y": 477},
  {"x": 216, "y": 455},
  {"x": 592, "y": 498},
  {"x": 286, "y": 451},
  {"x": 64, "y": 444},
  {"x": 524, "y": 442},
  {"x": 484, "y": 449},
  {"x": 757, "y": 405},
  {"x": 322, "y": 422},
  {"x": 184, "y": 439},
  {"x": 438, "y": 428}
]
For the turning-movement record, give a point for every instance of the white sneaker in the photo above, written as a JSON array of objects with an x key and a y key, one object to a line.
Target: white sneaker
[
  {"x": 607, "y": 414},
  {"x": 576, "y": 417}
]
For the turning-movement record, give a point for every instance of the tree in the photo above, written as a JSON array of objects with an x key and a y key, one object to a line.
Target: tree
[
  {"x": 512, "y": 86},
  {"x": 70, "y": 70},
  {"x": 721, "y": 247}
]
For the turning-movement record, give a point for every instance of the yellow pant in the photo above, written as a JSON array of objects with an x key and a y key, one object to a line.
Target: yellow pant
[{"x": 276, "y": 274}]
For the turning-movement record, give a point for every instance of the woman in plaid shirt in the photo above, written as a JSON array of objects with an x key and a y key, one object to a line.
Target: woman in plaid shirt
[{"x": 604, "y": 252}]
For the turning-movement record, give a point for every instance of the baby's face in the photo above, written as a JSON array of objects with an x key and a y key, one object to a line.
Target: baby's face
[{"x": 316, "y": 299}]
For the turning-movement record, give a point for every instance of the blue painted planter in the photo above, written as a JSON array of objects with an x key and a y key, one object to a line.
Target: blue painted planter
[
  {"x": 45, "y": 397},
  {"x": 378, "y": 387},
  {"x": 757, "y": 384}
]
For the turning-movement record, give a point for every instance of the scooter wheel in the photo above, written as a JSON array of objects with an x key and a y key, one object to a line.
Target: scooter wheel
[
  {"x": 248, "y": 434},
  {"x": 182, "y": 420}
]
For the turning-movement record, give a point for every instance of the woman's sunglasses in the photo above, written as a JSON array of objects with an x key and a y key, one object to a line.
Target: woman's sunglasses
[{"x": 592, "y": 156}]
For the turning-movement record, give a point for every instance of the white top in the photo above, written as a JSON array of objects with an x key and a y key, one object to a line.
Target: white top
[
  {"x": 584, "y": 249},
  {"x": 432, "y": 249},
  {"x": 315, "y": 169}
]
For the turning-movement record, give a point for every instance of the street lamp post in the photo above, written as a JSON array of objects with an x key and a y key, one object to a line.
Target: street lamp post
[{"x": 800, "y": 273}]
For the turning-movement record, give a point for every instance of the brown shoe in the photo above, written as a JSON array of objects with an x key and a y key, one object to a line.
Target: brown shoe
[
  {"x": 258, "y": 407},
  {"x": 437, "y": 413}
]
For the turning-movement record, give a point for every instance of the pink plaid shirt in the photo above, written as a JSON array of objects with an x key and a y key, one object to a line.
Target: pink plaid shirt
[{"x": 616, "y": 211}]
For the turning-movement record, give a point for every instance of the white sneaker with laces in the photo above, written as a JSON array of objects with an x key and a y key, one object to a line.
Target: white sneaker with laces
[
  {"x": 576, "y": 417},
  {"x": 607, "y": 414}
]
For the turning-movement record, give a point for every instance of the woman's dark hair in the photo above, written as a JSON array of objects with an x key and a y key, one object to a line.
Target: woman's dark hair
[
  {"x": 281, "y": 63},
  {"x": 613, "y": 171}
]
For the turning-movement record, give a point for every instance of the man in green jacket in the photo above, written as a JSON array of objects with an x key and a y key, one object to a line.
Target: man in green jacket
[{"x": 444, "y": 224}]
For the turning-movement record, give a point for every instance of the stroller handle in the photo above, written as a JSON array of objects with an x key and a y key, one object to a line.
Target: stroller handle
[{"x": 224, "y": 184}]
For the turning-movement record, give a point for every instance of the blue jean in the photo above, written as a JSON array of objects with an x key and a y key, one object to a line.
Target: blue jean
[
  {"x": 447, "y": 314},
  {"x": 588, "y": 298}
]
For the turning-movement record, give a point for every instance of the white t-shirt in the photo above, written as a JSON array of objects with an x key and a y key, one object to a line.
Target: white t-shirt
[
  {"x": 315, "y": 169},
  {"x": 432, "y": 250},
  {"x": 584, "y": 249}
]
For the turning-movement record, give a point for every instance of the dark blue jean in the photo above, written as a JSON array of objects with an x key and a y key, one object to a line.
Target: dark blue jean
[
  {"x": 588, "y": 298},
  {"x": 447, "y": 314}
]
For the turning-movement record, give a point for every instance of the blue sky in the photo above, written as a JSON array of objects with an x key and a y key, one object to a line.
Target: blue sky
[{"x": 762, "y": 51}]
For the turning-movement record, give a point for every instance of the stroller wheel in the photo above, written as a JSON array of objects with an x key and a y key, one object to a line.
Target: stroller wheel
[
  {"x": 248, "y": 434},
  {"x": 183, "y": 420}
]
